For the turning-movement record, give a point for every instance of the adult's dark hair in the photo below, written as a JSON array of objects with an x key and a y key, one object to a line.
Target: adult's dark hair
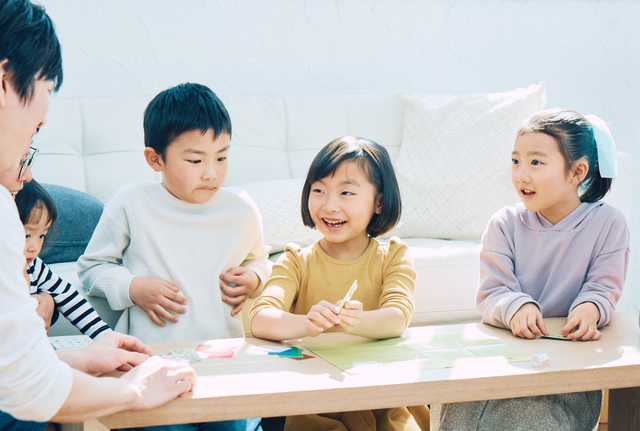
[
  {"x": 373, "y": 159},
  {"x": 181, "y": 109},
  {"x": 574, "y": 135},
  {"x": 28, "y": 41},
  {"x": 31, "y": 201}
]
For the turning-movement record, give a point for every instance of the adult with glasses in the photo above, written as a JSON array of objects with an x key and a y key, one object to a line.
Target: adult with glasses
[{"x": 35, "y": 382}]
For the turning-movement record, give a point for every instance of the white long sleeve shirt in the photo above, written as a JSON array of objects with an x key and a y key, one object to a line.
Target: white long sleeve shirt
[
  {"x": 34, "y": 383},
  {"x": 145, "y": 231}
]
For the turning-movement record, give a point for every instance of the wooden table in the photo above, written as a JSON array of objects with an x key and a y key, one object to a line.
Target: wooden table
[{"x": 250, "y": 385}]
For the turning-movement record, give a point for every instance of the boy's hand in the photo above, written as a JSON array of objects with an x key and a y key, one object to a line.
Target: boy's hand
[
  {"x": 527, "y": 322},
  {"x": 45, "y": 309},
  {"x": 350, "y": 315},
  {"x": 157, "y": 297},
  {"x": 321, "y": 316},
  {"x": 246, "y": 282},
  {"x": 585, "y": 316}
]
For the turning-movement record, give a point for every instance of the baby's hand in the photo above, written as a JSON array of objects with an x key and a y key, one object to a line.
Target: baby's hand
[
  {"x": 45, "y": 309},
  {"x": 585, "y": 316},
  {"x": 156, "y": 296},
  {"x": 246, "y": 282},
  {"x": 321, "y": 316},
  {"x": 527, "y": 322},
  {"x": 350, "y": 316}
]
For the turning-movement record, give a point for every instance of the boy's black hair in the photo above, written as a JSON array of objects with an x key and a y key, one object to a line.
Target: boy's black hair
[
  {"x": 181, "y": 109},
  {"x": 376, "y": 165},
  {"x": 31, "y": 201},
  {"x": 28, "y": 40},
  {"x": 574, "y": 135}
]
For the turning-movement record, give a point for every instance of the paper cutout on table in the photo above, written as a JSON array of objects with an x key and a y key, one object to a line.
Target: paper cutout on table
[
  {"x": 184, "y": 355},
  {"x": 292, "y": 352},
  {"x": 439, "y": 351},
  {"x": 348, "y": 296},
  {"x": 275, "y": 348},
  {"x": 555, "y": 337},
  {"x": 220, "y": 352}
]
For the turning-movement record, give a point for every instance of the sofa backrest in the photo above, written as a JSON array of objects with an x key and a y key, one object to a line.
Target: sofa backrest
[{"x": 95, "y": 144}]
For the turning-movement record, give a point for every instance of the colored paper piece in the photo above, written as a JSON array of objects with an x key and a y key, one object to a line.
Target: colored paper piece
[
  {"x": 183, "y": 352},
  {"x": 181, "y": 358},
  {"x": 275, "y": 348},
  {"x": 439, "y": 351},
  {"x": 292, "y": 352},
  {"x": 221, "y": 354},
  {"x": 215, "y": 352}
]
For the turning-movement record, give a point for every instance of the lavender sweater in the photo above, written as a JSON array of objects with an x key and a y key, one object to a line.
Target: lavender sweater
[{"x": 524, "y": 258}]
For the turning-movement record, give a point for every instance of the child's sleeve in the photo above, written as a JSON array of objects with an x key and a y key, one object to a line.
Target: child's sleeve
[
  {"x": 71, "y": 303},
  {"x": 282, "y": 287},
  {"x": 258, "y": 258},
  {"x": 100, "y": 267},
  {"x": 399, "y": 279},
  {"x": 499, "y": 294},
  {"x": 607, "y": 273}
]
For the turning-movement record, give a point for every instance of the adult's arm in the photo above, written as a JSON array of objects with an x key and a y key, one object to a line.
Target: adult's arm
[{"x": 151, "y": 384}]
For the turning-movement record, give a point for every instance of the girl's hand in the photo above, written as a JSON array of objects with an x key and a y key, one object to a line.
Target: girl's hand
[
  {"x": 585, "y": 316},
  {"x": 527, "y": 322},
  {"x": 350, "y": 316},
  {"x": 321, "y": 317}
]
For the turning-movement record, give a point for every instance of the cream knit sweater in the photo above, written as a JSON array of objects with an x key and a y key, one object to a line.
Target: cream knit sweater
[{"x": 145, "y": 231}]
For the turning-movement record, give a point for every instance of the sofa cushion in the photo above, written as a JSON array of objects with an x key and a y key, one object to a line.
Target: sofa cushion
[
  {"x": 454, "y": 162},
  {"x": 78, "y": 215},
  {"x": 279, "y": 203}
]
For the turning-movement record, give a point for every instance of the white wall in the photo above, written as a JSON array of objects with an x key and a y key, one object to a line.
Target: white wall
[{"x": 588, "y": 52}]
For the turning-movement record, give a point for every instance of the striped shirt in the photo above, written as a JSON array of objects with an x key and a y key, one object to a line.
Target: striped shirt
[{"x": 68, "y": 300}]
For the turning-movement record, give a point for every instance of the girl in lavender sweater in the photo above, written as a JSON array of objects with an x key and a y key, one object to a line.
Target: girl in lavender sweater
[{"x": 561, "y": 252}]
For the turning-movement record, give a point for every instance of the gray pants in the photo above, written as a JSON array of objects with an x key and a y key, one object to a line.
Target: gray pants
[{"x": 563, "y": 412}]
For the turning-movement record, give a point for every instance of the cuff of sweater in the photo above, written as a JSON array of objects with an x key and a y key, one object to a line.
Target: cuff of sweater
[
  {"x": 119, "y": 297},
  {"x": 513, "y": 308}
]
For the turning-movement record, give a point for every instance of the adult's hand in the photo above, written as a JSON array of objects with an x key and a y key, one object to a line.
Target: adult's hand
[
  {"x": 159, "y": 381},
  {"x": 110, "y": 351}
]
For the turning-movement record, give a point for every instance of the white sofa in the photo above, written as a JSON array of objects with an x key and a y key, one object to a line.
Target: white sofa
[{"x": 95, "y": 144}]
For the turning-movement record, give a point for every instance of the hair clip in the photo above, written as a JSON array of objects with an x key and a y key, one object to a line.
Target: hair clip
[{"x": 607, "y": 153}]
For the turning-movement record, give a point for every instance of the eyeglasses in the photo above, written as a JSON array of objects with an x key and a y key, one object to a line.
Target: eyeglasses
[{"x": 28, "y": 161}]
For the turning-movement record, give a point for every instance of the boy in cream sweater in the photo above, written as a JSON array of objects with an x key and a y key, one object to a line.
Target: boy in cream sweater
[{"x": 180, "y": 256}]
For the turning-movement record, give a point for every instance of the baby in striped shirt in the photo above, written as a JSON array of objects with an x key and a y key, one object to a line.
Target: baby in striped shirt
[{"x": 38, "y": 213}]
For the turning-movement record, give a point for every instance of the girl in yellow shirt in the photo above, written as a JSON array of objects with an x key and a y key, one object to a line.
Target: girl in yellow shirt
[{"x": 351, "y": 196}]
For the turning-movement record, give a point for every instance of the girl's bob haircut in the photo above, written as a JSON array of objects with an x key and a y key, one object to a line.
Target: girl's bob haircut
[
  {"x": 32, "y": 201},
  {"x": 375, "y": 164}
]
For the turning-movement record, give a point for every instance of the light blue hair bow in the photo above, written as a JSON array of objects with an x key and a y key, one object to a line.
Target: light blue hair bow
[{"x": 607, "y": 153}]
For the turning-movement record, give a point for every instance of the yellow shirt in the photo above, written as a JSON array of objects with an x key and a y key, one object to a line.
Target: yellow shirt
[{"x": 303, "y": 277}]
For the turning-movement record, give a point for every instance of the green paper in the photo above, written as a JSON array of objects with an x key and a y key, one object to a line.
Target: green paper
[{"x": 439, "y": 351}]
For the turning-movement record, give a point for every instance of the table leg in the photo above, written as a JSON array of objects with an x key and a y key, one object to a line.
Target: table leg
[{"x": 624, "y": 409}]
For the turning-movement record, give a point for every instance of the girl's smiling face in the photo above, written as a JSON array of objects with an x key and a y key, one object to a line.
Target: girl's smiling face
[
  {"x": 540, "y": 177},
  {"x": 36, "y": 230},
  {"x": 341, "y": 206}
]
